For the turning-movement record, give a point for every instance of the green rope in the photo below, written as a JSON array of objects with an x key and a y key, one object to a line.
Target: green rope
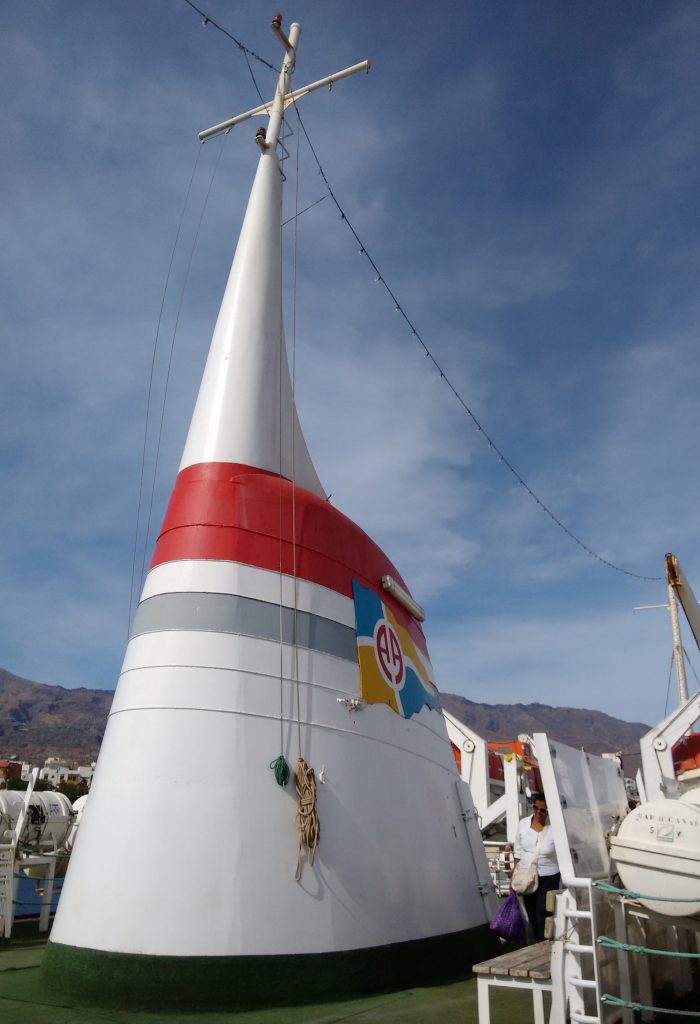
[
  {"x": 641, "y": 1008},
  {"x": 606, "y": 887},
  {"x": 609, "y": 943},
  {"x": 281, "y": 770}
]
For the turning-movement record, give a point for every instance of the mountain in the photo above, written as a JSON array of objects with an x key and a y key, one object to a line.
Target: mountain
[
  {"x": 38, "y": 721},
  {"x": 577, "y": 727}
]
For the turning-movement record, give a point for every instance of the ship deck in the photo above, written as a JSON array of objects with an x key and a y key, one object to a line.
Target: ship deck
[{"x": 21, "y": 999}]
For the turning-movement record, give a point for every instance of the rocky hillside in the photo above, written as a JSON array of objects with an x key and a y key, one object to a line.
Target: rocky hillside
[
  {"x": 576, "y": 727},
  {"x": 38, "y": 721}
]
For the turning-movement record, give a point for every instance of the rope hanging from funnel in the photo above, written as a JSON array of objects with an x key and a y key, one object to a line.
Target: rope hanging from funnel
[
  {"x": 292, "y": 427},
  {"x": 307, "y": 817},
  {"x": 279, "y": 766},
  {"x": 305, "y": 778}
]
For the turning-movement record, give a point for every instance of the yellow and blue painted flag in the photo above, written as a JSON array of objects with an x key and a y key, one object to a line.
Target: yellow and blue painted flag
[{"x": 393, "y": 670}]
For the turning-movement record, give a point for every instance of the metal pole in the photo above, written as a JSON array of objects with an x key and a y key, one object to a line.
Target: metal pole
[
  {"x": 677, "y": 645},
  {"x": 273, "y": 129}
]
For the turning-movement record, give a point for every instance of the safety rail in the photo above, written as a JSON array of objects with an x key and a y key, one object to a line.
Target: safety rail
[{"x": 501, "y": 861}]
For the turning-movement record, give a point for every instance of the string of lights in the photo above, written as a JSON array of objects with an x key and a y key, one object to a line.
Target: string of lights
[
  {"x": 207, "y": 20},
  {"x": 502, "y": 458}
]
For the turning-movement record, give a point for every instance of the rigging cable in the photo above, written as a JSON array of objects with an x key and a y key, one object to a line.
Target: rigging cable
[
  {"x": 150, "y": 389},
  {"x": 172, "y": 347},
  {"x": 379, "y": 279},
  {"x": 668, "y": 685},
  {"x": 305, "y": 210},
  {"x": 691, "y": 666}
]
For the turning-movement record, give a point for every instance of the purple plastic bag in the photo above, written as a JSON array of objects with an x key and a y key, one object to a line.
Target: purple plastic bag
[{"x": 508, "y": 921}]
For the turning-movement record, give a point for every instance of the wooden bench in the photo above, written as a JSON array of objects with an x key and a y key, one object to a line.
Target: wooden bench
[{"x": 527, "y": 968}]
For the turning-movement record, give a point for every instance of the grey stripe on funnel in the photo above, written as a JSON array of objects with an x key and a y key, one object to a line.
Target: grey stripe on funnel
[{"x": 230, "y": 613}]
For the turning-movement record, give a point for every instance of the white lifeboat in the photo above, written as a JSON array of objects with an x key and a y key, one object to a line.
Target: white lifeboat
[
  {"x": 657, "y": 852},
  {"x": 47, "y": 824}
]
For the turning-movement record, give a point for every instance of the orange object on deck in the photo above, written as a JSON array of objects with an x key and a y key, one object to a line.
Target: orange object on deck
[{"x": 686, "y": 754}]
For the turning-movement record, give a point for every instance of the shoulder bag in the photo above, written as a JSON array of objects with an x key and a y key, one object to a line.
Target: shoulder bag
[{"x": 525, "y": 880}]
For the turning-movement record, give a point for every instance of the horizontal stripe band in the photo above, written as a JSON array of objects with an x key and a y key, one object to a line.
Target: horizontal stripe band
[
  {"x": 227, "y": 512},
  {"x": 231, "y": 613},
  {"x": 204, "y": 576},
  {"x": 134, "y": 981}
]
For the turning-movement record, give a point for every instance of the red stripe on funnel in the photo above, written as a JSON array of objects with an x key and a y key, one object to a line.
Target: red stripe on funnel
[{"x": 227, "y": 512}]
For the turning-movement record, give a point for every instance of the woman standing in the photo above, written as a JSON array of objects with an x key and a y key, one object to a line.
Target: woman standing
[{"x": 534, "y": 840}]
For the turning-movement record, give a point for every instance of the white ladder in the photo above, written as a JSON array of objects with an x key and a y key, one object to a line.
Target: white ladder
[{"x": 578, "y": 960}]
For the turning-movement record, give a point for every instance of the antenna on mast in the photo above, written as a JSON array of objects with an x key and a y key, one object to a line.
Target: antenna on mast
[{"x": 283, "y": 97}]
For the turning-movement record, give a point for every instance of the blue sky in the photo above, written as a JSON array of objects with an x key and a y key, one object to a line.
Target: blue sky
[{"x": 526, "y": 177}]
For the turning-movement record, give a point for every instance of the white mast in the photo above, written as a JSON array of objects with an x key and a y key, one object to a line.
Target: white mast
[
  {"x": 245, "y": 411},
  {"x": 680, "y": 590}
]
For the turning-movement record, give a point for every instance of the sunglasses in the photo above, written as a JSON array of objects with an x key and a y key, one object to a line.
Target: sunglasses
[{"x": 540, "y": 810}]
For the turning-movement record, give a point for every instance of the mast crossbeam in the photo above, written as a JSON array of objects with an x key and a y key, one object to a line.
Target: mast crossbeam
[{"x": 289, "y": 98}]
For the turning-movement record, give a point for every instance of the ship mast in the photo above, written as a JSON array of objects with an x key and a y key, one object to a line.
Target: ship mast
[
  {"x": 283, "y": 98},
  {"x": 245, "y": 412}
]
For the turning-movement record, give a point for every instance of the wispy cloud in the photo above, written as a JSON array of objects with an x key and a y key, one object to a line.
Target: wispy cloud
[{"x": 529, "y": 192}]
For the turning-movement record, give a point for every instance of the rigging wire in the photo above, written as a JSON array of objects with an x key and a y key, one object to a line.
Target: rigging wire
[
  {"x": 379, "y": 279},
  {"x": 305, "y": 210},
  {"x": 691, "y": 666},
  {"x": 172, "y": 348},
  {"x": 668, "y": 686},
  {"x": 150, "y": 389}
]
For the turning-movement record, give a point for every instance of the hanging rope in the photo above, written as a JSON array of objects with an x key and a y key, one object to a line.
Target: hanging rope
[
  {"x": 307, "y": 818},
  {"x": 293, "y": 432},
  {"x": 280, "y": 523}
]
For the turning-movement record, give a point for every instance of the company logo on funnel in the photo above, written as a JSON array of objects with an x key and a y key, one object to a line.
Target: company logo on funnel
[{"x": 393, "y": 670}]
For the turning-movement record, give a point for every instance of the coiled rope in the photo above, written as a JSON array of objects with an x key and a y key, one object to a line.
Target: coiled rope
[
  {"x": 307, "y": 818},
  {"x": 281, "y": 770}
]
